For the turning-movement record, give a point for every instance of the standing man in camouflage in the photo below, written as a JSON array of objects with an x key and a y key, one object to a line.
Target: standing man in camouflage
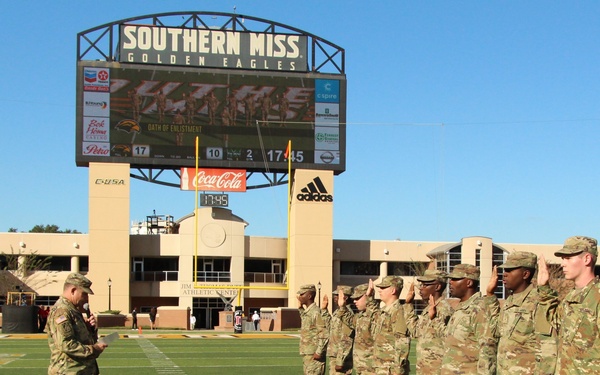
[
  {"x": 577, "y": 317},
  {"x": 313, "y": 332},
  {"x": 392, "y": 341},
  {"x": 341, "y": 335},
  {"x": 73, "y": 339},
  {"x": 521, "y": 350},
  {"x": 470, "y": 342},
  {"x": 430, "y": 326}
]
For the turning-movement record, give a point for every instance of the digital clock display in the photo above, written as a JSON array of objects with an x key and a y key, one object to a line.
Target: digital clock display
[{"x": 214, "y": 200}]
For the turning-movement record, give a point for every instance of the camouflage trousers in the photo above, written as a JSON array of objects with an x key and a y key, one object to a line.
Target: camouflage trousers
[
  {"x": 364, "y": 365},
  {"x": 346, "y": 370},
  {"x": 384, "y": 368},
  {"x": 312, "y": 366},
  {"x": 364, "y": 371}
]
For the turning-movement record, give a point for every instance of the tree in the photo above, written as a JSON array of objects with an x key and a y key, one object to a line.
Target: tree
[
  {"x": 20, "y": 269},
  {"x": 50, "y": 228}
]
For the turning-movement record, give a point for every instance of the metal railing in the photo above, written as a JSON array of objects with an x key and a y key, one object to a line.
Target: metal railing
[
  {"x": 213, "y": 276},
  {"x": 155, "y": 276},
  {"x": 263, "y": 277}
]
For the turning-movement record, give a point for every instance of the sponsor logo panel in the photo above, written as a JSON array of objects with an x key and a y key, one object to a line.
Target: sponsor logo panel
[
  {"x": 213, "y": 179},
  {"x": 327, "y": 114},
  {"x": 95, "y": 149},
  {"x": 96, "y": 104},
  {"x": 327, "y": 91},
  {"x": 96, "y": 129},
  {"x": 327, "y": 157},
  {"x": 327, "y": 139},
  {"x": 96, "y": 79}
]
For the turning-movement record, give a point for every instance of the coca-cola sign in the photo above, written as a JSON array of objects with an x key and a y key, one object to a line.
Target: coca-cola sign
[{"x": 212, "y": 179}]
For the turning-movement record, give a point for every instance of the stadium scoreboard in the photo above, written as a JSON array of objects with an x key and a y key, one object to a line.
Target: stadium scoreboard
[{"x": 148, "y": 107}]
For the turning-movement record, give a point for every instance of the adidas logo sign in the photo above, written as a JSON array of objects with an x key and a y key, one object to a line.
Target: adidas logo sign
[{"x": 314, "y": 192}]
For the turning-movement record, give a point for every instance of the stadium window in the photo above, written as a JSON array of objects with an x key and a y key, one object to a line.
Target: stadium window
[
  {"x": 407, "y": 268},
  {"x": 359, "y": 268}
]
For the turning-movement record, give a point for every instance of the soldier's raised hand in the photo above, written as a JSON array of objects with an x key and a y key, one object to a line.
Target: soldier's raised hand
[
  {"x": 493, "y": 282},
  {"x": 342, "y": 298},
  {"x": 432, "y": 309},
  {"x": 410, "y": 296},
  {"x": 543, "y": 275}
]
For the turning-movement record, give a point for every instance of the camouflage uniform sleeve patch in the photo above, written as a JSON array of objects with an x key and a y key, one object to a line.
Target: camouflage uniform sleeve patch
[{"x": 61, "y": 319}]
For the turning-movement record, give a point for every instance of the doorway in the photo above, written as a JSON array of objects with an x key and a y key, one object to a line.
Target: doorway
[{"x": 207, "y": 311}]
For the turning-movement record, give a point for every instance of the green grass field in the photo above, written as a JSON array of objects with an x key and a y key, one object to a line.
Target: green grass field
[{"x": 170, "y": 353}]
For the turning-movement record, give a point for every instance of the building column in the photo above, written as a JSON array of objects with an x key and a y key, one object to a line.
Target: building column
[
  {"x": 109, "y": 254},
  {"x": 75, "y": 264},
  {"x": 311, "y": 232}
]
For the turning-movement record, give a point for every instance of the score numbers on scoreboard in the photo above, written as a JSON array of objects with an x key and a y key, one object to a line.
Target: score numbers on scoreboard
[{"x": 219, "y": 153}]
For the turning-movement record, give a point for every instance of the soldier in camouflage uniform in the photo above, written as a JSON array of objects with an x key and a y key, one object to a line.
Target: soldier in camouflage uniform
[
  {"x": 521, "y": 350},
  {"x": 392, "y": 341},
  {"x": 577, "y": 317},
  {"x": 363, "y": 325},
  {"x": 429, "y": 331},
  {"x": 73, "y": 339},
  {"x": 341, "y": 335},
  {"x": 313, "y": 332},
  {"x": 470, "y": 342}
]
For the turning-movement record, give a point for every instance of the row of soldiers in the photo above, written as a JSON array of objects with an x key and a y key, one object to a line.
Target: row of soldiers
[{"x": 531, "y": 333}]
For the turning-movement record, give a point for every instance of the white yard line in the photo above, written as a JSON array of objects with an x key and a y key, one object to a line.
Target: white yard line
[{"x": 158, "y": 360}]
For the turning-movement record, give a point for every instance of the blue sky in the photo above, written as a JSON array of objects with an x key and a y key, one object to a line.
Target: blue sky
[{"x": 464, "y": 118}]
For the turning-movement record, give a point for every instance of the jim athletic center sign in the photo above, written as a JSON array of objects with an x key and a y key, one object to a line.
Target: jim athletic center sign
[{"x": 213, "y": 48}]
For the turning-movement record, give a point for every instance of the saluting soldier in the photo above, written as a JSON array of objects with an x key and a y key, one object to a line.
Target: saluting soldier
[
  {"x": 363, "y": 325},
  {"x": 470, "y": 342},
  {"x": 429, "y": 327},
  {"x": 313, "y": 331},
  {"x": 392, "y": 341},
  {"x": 521, "y": 349},
  {"x": 73, "y": 339},
  {"x": 341, "y": 335},
  {"x": 577, "y": 317}
]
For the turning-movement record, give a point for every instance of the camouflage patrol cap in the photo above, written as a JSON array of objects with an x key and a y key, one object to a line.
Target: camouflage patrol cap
[
  {"x": 347, "y": 290},
  {"x": 464, "y": 271},
  {"x": 80, "y": 281},
  {"x": 307, "y": 288},
  {"x": 388, "y": 281},
  {"x": 433, "y": 275},
  {"x": 359, "y": 291},
  {"x": 520, "y": 259},
  {"x": 578, "y": 244}
]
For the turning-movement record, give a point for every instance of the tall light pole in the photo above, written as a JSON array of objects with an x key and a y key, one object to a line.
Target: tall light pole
[
  {"x": 109, "y": 282},
  {"x": 319, "y": 297}
]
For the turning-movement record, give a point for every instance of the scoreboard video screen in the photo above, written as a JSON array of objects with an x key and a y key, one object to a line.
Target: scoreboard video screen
[{"x": 149, "y": 115}]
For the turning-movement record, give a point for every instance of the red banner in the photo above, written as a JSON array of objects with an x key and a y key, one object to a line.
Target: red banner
[{"x": 213, "y": 179}]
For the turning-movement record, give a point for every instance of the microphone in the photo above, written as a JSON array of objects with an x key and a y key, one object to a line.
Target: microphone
[
  {"x": 86, "y": 307},
  {"x": 88, "y": 313}
]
